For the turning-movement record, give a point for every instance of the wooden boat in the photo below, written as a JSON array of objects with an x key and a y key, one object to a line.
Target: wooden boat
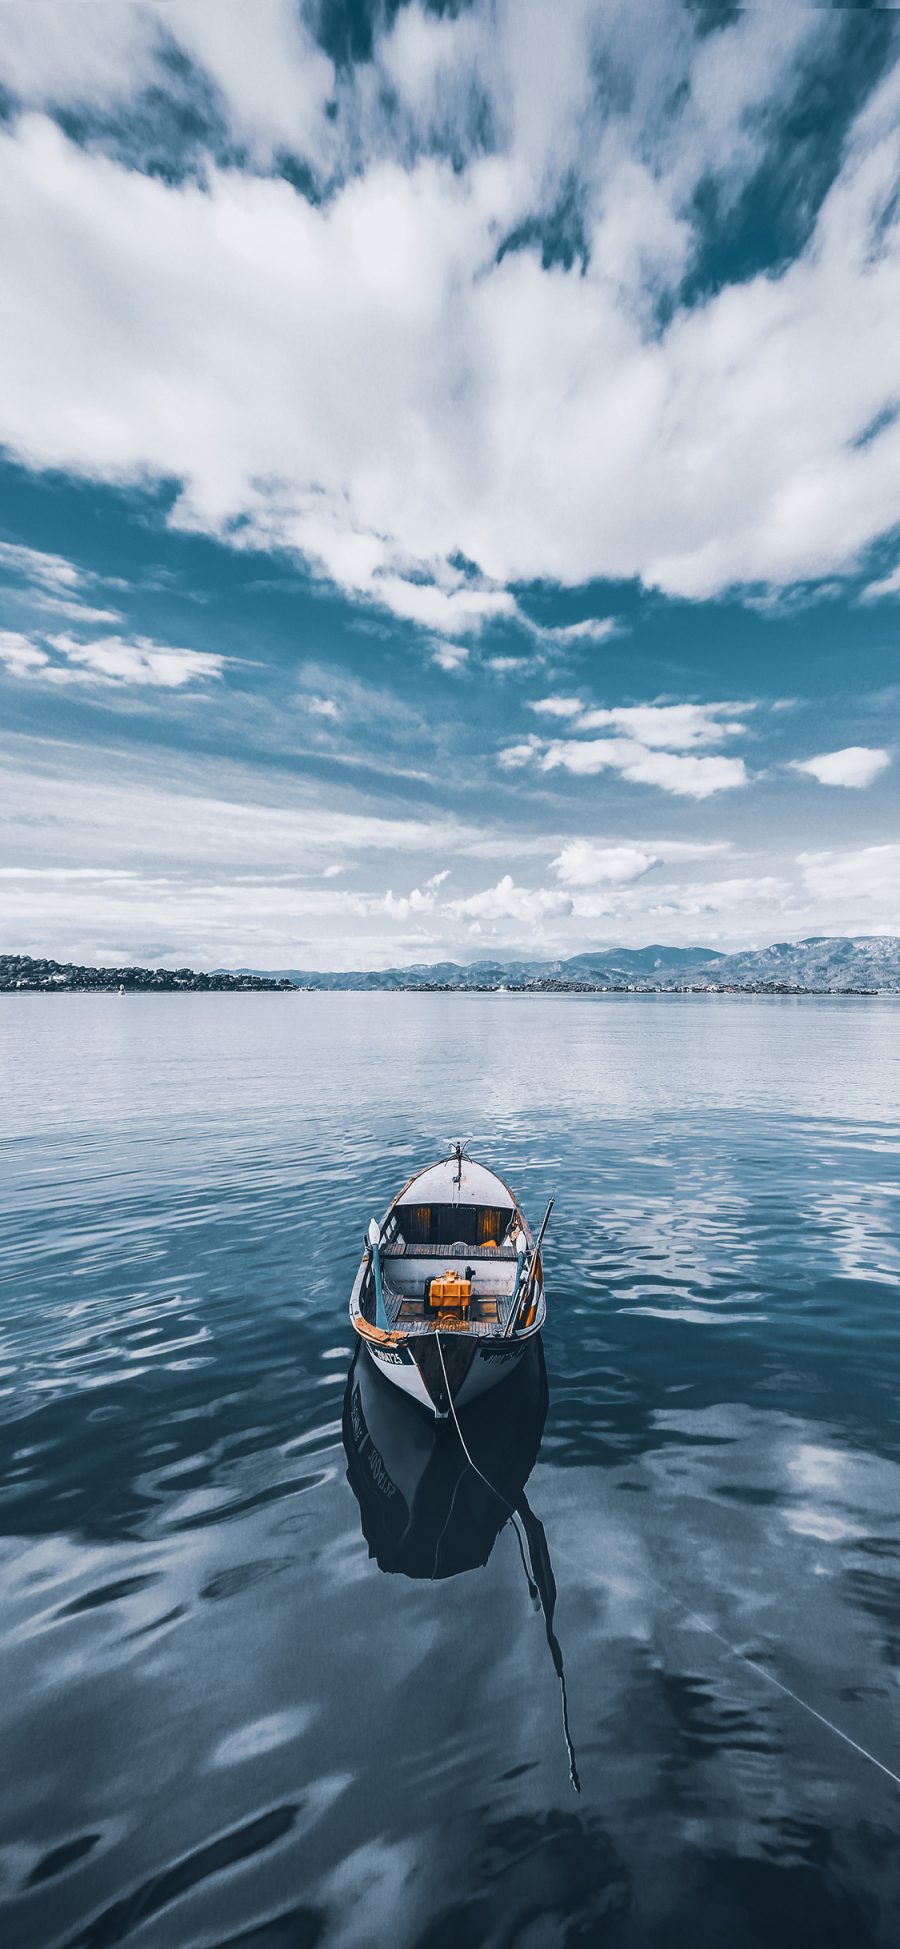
[{"x": 450, "y": 1284}]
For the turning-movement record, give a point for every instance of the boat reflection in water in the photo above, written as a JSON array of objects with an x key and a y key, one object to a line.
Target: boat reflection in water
[{"x": 434, "y": 1495}]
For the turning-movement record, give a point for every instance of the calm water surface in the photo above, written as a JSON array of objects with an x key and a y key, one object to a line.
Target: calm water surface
[{"x": 221, "y": 1720}]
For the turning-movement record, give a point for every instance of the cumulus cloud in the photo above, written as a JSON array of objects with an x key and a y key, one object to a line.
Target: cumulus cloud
[
  {"x": 450, "y": 656},
  {"x": 422, "y": 900},
  {"x": 855, "y": 766},
  {"x": 446, "y": 392},
  {"x": 686, "y": 776},
  {"x": 582, "y": 864},
  {"x": 664, "y": 727},
  {"x": 514, "y": 757},
  {"x": 656, "y": 748},
  {"x": 671, "y": 727},
  {"x": 507, "y": 901}
]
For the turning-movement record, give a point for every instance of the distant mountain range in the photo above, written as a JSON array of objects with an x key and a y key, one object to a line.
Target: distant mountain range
[
  {"x": 823, "y": 965},
  {"x": 830, "y": 964}
]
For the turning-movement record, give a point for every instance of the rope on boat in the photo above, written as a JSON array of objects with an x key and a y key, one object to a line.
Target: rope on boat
[
  {"x": 533, "y": 1591},
  {"x": 473, "y": 1465},
  {"x": 509, "y": 1506}
]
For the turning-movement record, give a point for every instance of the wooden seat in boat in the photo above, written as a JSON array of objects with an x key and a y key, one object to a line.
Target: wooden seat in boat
[{"x": 398, "y": 1249}]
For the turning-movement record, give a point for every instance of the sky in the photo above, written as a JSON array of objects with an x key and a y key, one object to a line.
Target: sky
[{"x": 449, "y": 479}]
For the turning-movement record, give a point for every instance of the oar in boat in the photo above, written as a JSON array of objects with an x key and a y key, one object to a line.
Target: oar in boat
[
  {"x": 381, "y": 1318},
  {"x": 521, "y": 1292}
]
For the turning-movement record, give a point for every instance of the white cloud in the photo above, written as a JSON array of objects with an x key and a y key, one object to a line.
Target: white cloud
[
  {"x": 650, "y": 752},
  {"x": 49, "y": 571},
  {"x": 450, "y": 656},
  {"x": 514, "y": 757},
  {"x": 664, "y": 906},
  {"x": 137, "y": 660},
  {"x": 582, "y": 864},
  {"x": 51, "y": 582},
  {"x": 234, "y": 868},
  {"x": 506, "y": 901},
  {"x": 418, "y": 396},
  {"x": 422, "y": 900},
  {"x": 275, "y": 79},
  {"x": 855, "y": 878},
  {"x": 204, "y": 811},
  {"x": 557, "y": 706},
  {"x": 323, "y": 707},
  {"x": 855, "y": 766},
  {"x": 686, "y": 776},
  {"x": 670, "y": 727},
  {"x": 48, "y": 56},
  {"x": 453, "y": 609},
  {"x": 107, "y": 660},
  {"x": 21, "y": 656},
  {"x": 888, "y": 586},
  {"x": 74, "y": 610},
  {"x": 597, "y": 629},
  {"x": 92, "y": 873}
]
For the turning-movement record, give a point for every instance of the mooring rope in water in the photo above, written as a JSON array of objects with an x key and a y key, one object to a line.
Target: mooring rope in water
[
  {"x": 701, "y": 1622},
  {"x": 533, "y": 1588},
  {"x": 804, "y": 1704}
]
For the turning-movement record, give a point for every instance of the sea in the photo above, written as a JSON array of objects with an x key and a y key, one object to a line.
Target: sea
[{"x": 281, "y": 1666}]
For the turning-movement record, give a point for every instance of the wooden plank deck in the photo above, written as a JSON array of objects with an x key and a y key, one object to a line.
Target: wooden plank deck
[{"x": 409, "y": 1317}]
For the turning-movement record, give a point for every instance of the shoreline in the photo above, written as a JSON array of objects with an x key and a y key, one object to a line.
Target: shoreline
[{"x": 770, "y": 992}]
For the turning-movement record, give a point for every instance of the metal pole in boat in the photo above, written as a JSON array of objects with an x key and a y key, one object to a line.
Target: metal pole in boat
[
  {"x": 516, "y": 1307},
  {"x": 381, "y": 1319}
]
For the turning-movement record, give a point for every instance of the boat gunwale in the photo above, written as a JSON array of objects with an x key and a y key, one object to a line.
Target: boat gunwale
[
  {"x": 395, "y": 1336},
  {"x": 398, "y": 1336}
]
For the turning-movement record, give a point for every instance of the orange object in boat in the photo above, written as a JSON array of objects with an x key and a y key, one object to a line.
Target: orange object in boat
[{"x": 450, "y": 1292}]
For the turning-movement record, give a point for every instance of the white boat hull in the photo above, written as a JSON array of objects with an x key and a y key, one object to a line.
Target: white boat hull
[
  {"x": 439, "y": 1281},
  {"x": 491, "y": 1363}
]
